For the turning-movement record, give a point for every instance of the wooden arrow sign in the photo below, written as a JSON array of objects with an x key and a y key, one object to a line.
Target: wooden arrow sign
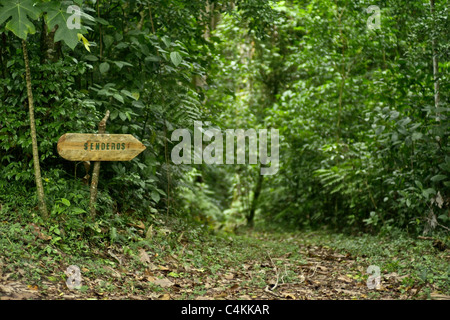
[{"x": 99, "y": 147}]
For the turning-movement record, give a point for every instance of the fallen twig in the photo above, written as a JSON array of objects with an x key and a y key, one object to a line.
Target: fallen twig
[
  {"x": 314, "y": 272},
  {"x": 271, "y": 292},
  {"x": 425, "y": 238},
  {"x": 276, "y": 271}
]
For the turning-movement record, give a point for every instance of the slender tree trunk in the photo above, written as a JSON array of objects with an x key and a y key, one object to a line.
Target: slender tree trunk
[
  {"x": 37, "y": 168},
  {"x": 100, "y": 42},
  {"x": 2, "y": 65},
  {"x": 251, "y": 215},
  {"x": 166, "y": 155},
  {"x": 96, "y": 170},
  {"x": 435, "y": 63}
]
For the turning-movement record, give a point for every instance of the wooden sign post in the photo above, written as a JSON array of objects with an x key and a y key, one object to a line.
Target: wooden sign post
[{"x": 98, "y": 147}]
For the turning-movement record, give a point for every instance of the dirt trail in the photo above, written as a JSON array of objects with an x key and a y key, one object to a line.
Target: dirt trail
[{"x": 311, "y": 273}]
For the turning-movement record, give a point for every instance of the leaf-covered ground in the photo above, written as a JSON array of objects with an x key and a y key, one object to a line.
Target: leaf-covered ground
[{"x": 173, "y": 261}]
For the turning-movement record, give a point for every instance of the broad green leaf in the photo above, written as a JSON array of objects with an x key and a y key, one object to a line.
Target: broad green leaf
[
  {"x": 166, "y": 41},
  {"x": 176, "y": 58},
  {"x": 135, "y": 95},
  {"x": 416, "y": 136},
  {"x": 108, "y": 40},
  {"x": 78, "y": 211},
  {"x": 57, "y": 15},
  {"x": 20, "y": 11},
  {"x": 104, "y": 67},
  {"x": 155, "y": 196},
  {"x": 114, "y": 114},
  {"x": 426, "y": 193},
  {"x": 419, "y": 184},
  {"x": 91, "y": 58},
  {"x": 65, "y": 202},
  {"x": 121, "y": 64},
  {"x": 122, "y": 116},
  {"x": 152, "y": 58},
  {"x": 438, "y": 177},
  {"x": 102, "y": 21},
  {"x": 118, "y": 97}
]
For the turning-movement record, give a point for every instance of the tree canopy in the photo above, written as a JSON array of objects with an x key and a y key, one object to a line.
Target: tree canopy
[{"x": 358, "y": 93}]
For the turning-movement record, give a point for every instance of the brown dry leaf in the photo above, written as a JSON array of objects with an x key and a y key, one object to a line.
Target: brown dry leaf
[
  {"x": 349, "y": 292},
  {"x": 37, "y": 232},
  {"x": 289, "y": 296},
  {"x": 203, "y": 298},
  {"x": 6, "y": 298},
  {"x": 152, "y": 267},
  {"x": 114, "y": 273},
  {"x": 339, "y": 256},
  {"x": 24, "y": 295},
  {"x": 234, "y": 287},
  {"x": 164, "y": 283},
  {"x": 165, "y": 296},
  {"x": 221, "y": 295},
  {"x": 139, "y": 225},
  {"x": 6, "y": 289},
  {"x": 438, "y": 296},
  {"x": 44, "y": 237},
  {"x": 229, "y": 276},
  {"x": 381, "y": 288},
  {"x": 345, "y": 279},
  {"x": 323, "y": 268},
  {"x": 189, "y": 269},
  {"x": 390, "y": 275},
  {"x": 163, "y": 268},
  {"x": 143, "y": 256}
]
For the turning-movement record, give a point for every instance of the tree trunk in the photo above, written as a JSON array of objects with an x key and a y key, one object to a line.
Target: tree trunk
[
  {"x": 49, "y": 48},
  {"x": 37, "y": 168},
  {"x": 435, "y": 63},
  {"x": 251, "y": 215},
  {"x": 96, "y": 170}
]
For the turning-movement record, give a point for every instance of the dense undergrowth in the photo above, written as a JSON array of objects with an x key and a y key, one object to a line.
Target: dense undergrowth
[
  {"x": 163, "y": 257},
  {"x": 364, "y": 144}
]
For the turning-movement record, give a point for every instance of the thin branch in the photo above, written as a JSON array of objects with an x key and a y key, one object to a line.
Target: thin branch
[
  {"x": 96, "y": 170},
  {"x": 35, "y": 148}
]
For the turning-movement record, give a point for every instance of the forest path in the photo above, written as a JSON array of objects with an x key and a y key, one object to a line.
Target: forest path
[{"x": 251, "y": 266}]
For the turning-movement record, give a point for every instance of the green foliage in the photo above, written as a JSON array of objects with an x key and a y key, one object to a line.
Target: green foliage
[
  {"x": 57, "y": 16},
  {"x": 18, "y": 14},
  {"x": 20, "y": 11},
  {"x": 363, "y": 146}
]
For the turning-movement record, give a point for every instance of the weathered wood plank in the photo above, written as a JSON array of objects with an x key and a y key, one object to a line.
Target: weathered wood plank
[{"x": 99, "y": 147}]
